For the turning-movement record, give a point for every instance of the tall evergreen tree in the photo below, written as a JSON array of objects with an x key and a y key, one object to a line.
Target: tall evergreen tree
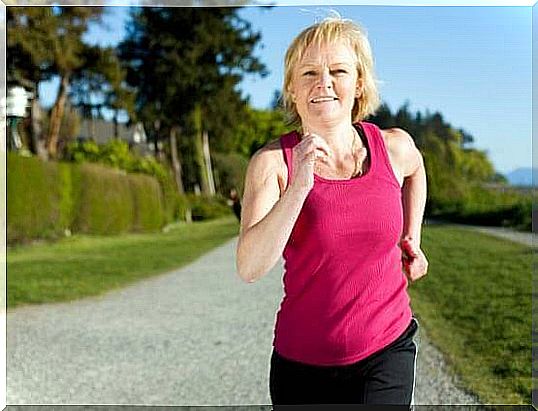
[{"x": 179, "y": 59}]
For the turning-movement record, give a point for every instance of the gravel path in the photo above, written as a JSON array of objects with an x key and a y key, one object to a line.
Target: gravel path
[
  {"x": 195, "y": 336},
  {"x": 520, "y": 237},
  {"x": 524, "y": 238}
]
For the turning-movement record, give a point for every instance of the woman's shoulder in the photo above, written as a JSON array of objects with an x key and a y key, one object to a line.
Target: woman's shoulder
[
  {"x": 397, "y": 140},
  {"x": 269, "y": 153},
  {"x": 268, "y": 162},
  {"x": 401, "y": 148},
  {"x": 272, "y": 152}
]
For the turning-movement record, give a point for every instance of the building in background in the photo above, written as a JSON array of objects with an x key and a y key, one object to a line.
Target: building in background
[{"x": 102, "y": 131}]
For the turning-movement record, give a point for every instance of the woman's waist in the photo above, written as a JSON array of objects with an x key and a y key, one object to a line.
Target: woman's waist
[{"x": 325, "y": 341}]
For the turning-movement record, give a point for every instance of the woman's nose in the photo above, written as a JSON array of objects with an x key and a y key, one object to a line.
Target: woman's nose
[{"x": 325, "y": 80}]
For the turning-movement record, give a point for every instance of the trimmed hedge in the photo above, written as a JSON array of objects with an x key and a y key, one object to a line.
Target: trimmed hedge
[
  {"x": 175, "y": 205},
  {"x": 48, "y": 199},
  {"x": 105, "y": 204},
  {"x": 147, "y": 197},
  {"x": 36, "y": 199}
]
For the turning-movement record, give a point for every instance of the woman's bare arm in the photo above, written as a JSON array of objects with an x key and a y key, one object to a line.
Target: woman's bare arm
[
  {"x": 268, "y": 217},
  {"x": 408, "y": 165}
]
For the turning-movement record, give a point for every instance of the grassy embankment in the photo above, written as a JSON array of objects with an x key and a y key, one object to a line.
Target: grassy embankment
[
  {"x": 81, "y": 266},
  {"x": 475, "y": 304}
]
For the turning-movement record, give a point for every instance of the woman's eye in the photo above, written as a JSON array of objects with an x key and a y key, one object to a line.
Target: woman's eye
[
  {"x": 340, "y": 71},
  {"x": 309, "y": 73}
]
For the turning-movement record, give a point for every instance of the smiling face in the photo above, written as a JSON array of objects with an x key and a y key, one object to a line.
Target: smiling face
[{"x": 325, "y": 84}]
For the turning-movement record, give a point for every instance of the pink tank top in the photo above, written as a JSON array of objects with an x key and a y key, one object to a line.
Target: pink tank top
[{"x": 345, "y": 295}]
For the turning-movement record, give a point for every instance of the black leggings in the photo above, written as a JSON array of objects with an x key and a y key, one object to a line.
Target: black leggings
[{"x": 385, "y": 377}]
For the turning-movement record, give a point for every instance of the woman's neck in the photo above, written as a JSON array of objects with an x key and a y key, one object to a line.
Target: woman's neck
[{"x": 339, "y": 137}]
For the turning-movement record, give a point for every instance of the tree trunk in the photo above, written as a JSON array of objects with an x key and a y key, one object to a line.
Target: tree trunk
[
  {"x": 56, "y": 117},
  {"x": 176, "y": 164},
  {"x": 207, "y": 159},
  {"x": 36, "y": 128},
  {"x": 199, "y": 151},
  {"x": 116, "y": 133},
  {"x": 92, "y": 128},
  {"x": 156, "y": 145}
]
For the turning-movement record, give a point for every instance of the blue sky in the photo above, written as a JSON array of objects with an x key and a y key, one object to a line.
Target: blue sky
[{"x": 472, "y": 64}]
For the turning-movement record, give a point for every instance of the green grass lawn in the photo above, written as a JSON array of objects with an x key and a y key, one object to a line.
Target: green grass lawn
[
  {"x": 81, "y": 266},
  {"x": 476, "y": 306}
]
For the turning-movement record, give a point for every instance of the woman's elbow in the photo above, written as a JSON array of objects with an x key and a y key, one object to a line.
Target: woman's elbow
[
  {"x": 243, "y": 268},
  {"x": 250, "y": 265},
  {"x": 245, "y": 274},
  {"x": 247, "y": 271}
]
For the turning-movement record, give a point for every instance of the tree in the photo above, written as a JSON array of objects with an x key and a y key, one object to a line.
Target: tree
[
  {"x": 68, "y": 57},
  {"x": 28, "y": 59},
  {"x": 259, "y": 127},
  {"x": 100, "y": 84},
  {"x": 179, "y": 60},
  {"x": 453, "y": 171},
  {"x": 50, "y": 38}
]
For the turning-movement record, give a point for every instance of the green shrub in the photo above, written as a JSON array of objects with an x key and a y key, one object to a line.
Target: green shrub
[
  {"x": 148, "y": 203},
  {"x": 490, "y": 207},
  {"x": 67, "y": 205},
  {"x": 206, "y": 207},
  {"x": 46, "y": 199},
  {"x": 105, "y": 203},
  {"x": 116, "y": 154},
  {"x": 173, "y": 203},
  {"x": 182, "y": 205},
  {"x": 36, "y": 204},
  {"x": 230, "y": 170}
]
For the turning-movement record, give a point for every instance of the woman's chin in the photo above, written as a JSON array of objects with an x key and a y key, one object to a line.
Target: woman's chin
[{"x": 326, "y": 115}]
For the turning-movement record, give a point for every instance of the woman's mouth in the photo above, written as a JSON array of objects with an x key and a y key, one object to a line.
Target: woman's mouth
[{"x": 323, "y": 99}]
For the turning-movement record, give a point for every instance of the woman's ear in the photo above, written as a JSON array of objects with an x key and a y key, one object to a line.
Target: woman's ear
[{"x": 359, "y": 88}]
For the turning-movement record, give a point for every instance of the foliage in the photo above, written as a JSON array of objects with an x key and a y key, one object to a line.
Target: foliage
[
  {"x": 115, "y": 154},
  {"x": 199, "y": 56},
  {"x": 257, "y": 129},
  {"x": 491, "y": 207},
  {"x": 207, "y": 207},
  {"x": 29, "y": 43},
  {"x": 459, "y": 177},
  {"x": 47, "y": 41},
  {"x": 35, "y": 199},
  {"x": 100, "y": 84},
  {"x": 49, "y": 200},
  {"x": 230, "y": 170},
  {"x": 106, "y": 204},
  {"x": 148, "y": 201}
]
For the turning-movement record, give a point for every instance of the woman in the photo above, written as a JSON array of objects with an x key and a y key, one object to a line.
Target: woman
[{"x": 343, "y": 202}]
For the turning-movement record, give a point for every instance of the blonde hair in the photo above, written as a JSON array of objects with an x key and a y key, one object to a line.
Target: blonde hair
[{"x": 330, "y": 30}]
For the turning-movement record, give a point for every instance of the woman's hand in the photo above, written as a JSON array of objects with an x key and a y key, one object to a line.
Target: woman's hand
[
  {"x": 310, "y": 148},
  {"x": 415, "y": 264}
]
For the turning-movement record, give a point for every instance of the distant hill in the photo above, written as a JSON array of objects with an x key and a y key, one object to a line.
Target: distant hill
[{"x": 522, "y": 176}]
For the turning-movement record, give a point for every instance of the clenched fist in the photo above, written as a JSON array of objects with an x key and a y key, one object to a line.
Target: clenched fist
[
  {"x": 414, "y": 262},
  {"x": 311, "y": 148}
]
